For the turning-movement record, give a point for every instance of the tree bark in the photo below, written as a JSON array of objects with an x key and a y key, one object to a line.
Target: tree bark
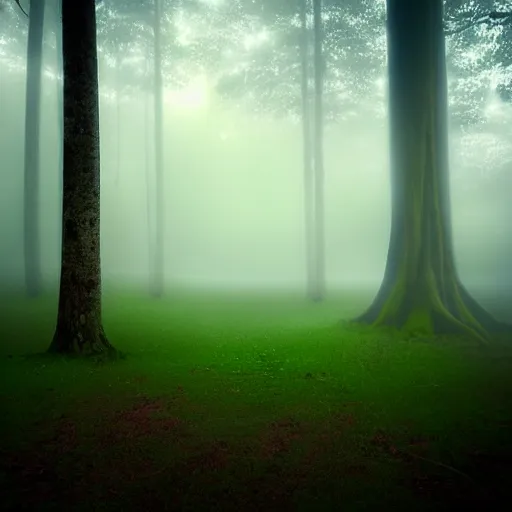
[
  {"x": 421, "y": 292},
  {"x": 158, "y": 263},
  {"x": 79, "y": 325},
  {"x": 319, "y": 282},
  {"x": 307, "y": 152},
  {"x": 32, "y": 238}
]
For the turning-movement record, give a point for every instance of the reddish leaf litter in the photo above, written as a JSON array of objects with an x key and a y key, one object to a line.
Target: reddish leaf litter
[
  {"x": 289, "y": 452},
  {"x": 276, "y": 440},
  {"x": 142, "y": 420},
  {"x": 71, "y": 466},
  {"x": 38, "y": 473}
]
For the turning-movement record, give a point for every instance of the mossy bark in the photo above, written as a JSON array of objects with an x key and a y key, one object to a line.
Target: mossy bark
[
  {"x": 421, "y": 291},
  {"x": 79, "y": 326}
]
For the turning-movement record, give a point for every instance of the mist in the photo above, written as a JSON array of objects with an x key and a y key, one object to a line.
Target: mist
[
  {"x": 316, "y": 345},
  {"x": 234, "y": 210}
]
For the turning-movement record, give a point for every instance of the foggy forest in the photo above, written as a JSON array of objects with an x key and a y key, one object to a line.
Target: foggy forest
[{"x": 255, "y": 254}]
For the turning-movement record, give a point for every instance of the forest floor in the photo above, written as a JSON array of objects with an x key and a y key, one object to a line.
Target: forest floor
[{"x": 248, "y": 403}]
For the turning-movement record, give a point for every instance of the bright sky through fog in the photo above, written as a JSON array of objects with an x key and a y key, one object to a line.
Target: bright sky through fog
[
  {"x": 194, "y": 96},
  {"x": 254, "y": 40},
  {"x": 212, "y": 2}
]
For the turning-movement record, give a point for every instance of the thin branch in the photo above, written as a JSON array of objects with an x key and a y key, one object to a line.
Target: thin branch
[{"x": 21, "y": 8}]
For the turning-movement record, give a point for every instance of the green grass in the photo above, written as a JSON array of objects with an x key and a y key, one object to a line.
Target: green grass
[{"x": 249, "y": 402}]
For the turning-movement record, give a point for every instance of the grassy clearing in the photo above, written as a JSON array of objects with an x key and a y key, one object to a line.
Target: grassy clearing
[{"x": 249, "y": 402}]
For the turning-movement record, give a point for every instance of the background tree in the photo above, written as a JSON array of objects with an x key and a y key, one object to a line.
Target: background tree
[
  {"x": 253, "y": 48},
  {"x": 307, "y": 148},
  {"x": 79, "y": 324},
  {"x": 158, "y": 261},
  {"x": 57, "y": 11},
  {"x": 149, "y": 182},
  {"x": 319, "y": 283},
  {"x": 350, "y": 68},
  {"x": 32, "y": 238},
  {"x": 118, "y": 34},
  {"x": 131, "y": 32},
  {"x": 421, "y": 291}
]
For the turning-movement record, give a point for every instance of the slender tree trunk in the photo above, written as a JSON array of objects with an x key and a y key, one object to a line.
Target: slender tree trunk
[
  {"x": 3, "y": 130},
  {"x": 148, "y": 174},
  {"x": 79, "y": 325},
  {"x": 307, "y": 151},
  {"x": 60, "y": 115},
  {"x": 319, "y": 283},
  {"x": 421, "y": 291},
  {"x": 32, "y": 239},
  {"x": 117, "y": 170},
  {"x": 158, "y": 283}
]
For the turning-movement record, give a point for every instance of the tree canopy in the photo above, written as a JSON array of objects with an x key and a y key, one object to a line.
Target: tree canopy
[{"x": 248, "y": 52}]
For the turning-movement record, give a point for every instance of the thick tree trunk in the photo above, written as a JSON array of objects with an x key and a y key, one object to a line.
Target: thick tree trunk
[
  {"x": 79, "y": 326},
  {"x": 421, "y": 291},
  {"x": 158, "y": 263},
  {"x": 319, "y": 282},
  {"x": 32, "y": 239},
  {"x": 307, "y": 152}
]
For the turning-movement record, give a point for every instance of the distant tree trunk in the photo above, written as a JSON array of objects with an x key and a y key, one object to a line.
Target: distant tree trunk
[
  {"x": 79, "y": 325},
  {"x": 158, "y": 264},
  {"x": 117, "y": 170},
  {"x": 148, "y": 174},
  {"x": 421, "y": 291},
  {"x": 307, "y": 151},
  {"x": 32, "y": 239},
  {"x": 2, "y": 84},
  {"x": 60, "y": 114},
  {"x": 503, "y": 286},
  {"x": 319, "y": 282}
]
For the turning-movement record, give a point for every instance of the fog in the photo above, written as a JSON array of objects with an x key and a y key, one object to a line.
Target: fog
[
  {"x": 234, "y": 189},
  {"x": 245, "y": 385}
]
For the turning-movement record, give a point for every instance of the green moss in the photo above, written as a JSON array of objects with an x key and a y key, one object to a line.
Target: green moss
[{"x": 419, "y": 322}]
